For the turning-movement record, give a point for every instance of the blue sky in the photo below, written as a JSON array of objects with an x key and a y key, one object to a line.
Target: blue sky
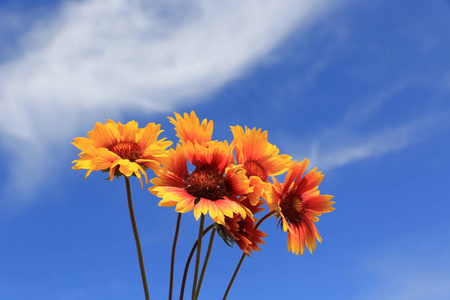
[{"x": 361, "y": 88}]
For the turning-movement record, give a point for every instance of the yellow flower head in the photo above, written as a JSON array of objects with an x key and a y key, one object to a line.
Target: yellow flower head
[
  {"x": 259, "y": 158},
  {"x": 188, "y": 128},
  {"x": 121, "y": 149}
]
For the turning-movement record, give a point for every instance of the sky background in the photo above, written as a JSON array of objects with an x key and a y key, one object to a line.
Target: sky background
[{"x": 362, "y": 88}]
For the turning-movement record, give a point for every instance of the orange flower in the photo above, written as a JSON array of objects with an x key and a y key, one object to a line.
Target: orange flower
[
  {"x": 259, "y": 158},
  {"x": 298, "y": 202},
  {"x": 121, "y": 149},
  {"x": 242, "y": 230},
  {"x": 213, "y": 187},
  {"x": 190, "y": 129}
]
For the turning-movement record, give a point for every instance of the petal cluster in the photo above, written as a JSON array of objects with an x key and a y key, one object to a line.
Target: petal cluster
[
  {"x": 190, "y": 129},
  {"x": 259, "y": 158},
  {"x": 242, "y": 231}
]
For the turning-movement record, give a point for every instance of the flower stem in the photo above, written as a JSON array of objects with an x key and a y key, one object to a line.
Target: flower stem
[
  {"x": 188, "y": 262},
  {"x": 205, "y": 263},
  {"x": 199, "y": 251},
  {"x": 172, "y": 261},
  {"x": 136, "y": 238},
  {"x": 234, "y": 276},
  {"x": 268, "y": 215}
]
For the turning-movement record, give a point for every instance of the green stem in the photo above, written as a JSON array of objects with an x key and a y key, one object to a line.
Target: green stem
[
  {"x": 188, "y": 262},
  {"x": 199, "y": 251},
  {"x": 172, "y": 261},
  {"x": 136, "y": 238},
  {"x": 268, "y": 215},
  {"x": 205, "y": 263}
]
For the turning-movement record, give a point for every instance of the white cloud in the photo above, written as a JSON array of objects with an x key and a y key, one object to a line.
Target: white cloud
[
  {"x": 349, "y": 140},
  {"x": 351, "y": 149},
  {"x": 360, "y": 111},
  {"x": 93, "y": 60},
  {"x": 339, "y": 146}
]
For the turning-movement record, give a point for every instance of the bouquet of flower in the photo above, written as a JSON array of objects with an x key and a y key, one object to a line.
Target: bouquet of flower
[{"x": 230, "y": 182}]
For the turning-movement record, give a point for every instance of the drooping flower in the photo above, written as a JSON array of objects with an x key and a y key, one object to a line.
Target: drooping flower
[
  {"x": 242, "y": 230},
  {"x": 298, "y": 203},
  {"x": 121, "y": 149},
  {"x": 259, "y": 158},
  {"x": 211, "y": 188}
]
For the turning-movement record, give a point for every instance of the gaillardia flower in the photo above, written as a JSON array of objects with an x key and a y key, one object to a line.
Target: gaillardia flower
[
  {"x": 190, "y": 129},
  {"x": 259, "y": 158},
  {"x": 214, "y": 186},
  {"x": 242, "y": 230},
  {"x": 121, "y": 149},
  {"x": 298, "y": 203}
]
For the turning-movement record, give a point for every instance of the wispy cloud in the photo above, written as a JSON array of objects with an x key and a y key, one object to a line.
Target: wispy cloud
[
  {"x": 361, "y": 110},
  {"x": 419, "y": 274},
  {"x": 93, "y": 60},
  {"x": 346, "y": 143},
  {"x": 348, "y": 147}
]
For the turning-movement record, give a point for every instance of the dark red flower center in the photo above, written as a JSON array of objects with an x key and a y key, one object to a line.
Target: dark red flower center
[
  {"x": 253, "y": 168},
  {"x": 206, "y": 183},
  {"x": 126, "y": 150},
  {"x": 292, "y": 208}
]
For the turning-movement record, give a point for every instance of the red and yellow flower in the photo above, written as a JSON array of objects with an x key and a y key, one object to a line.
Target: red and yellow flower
[
  {"x": 121, "y": 149},
  {"x": 259, "y": 158},
  {"x": 214, "y": 186},
  {"x": 242, "y": 230},
  {"x": 298, "y": 203}
]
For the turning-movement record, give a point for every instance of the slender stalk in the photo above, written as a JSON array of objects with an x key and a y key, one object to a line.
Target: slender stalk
[
  {"x": 172, "y": 261},
  {"x": 234, "y": 276},
  {"x": 199, "y": 251},
  {"x": 136, "y": 238},
  {"x": 188, "y": 262},
  {"x": 205, "y": 263},
  {"x": 269, "y": 214}
]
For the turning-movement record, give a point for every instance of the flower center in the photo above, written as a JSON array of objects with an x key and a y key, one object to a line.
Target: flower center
[
  {"x": 206, "y": 183},
  {"x": 126, "y": 150},
  {"x": 255, "y": 169},
  {"x": 292, "y": 208}
]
